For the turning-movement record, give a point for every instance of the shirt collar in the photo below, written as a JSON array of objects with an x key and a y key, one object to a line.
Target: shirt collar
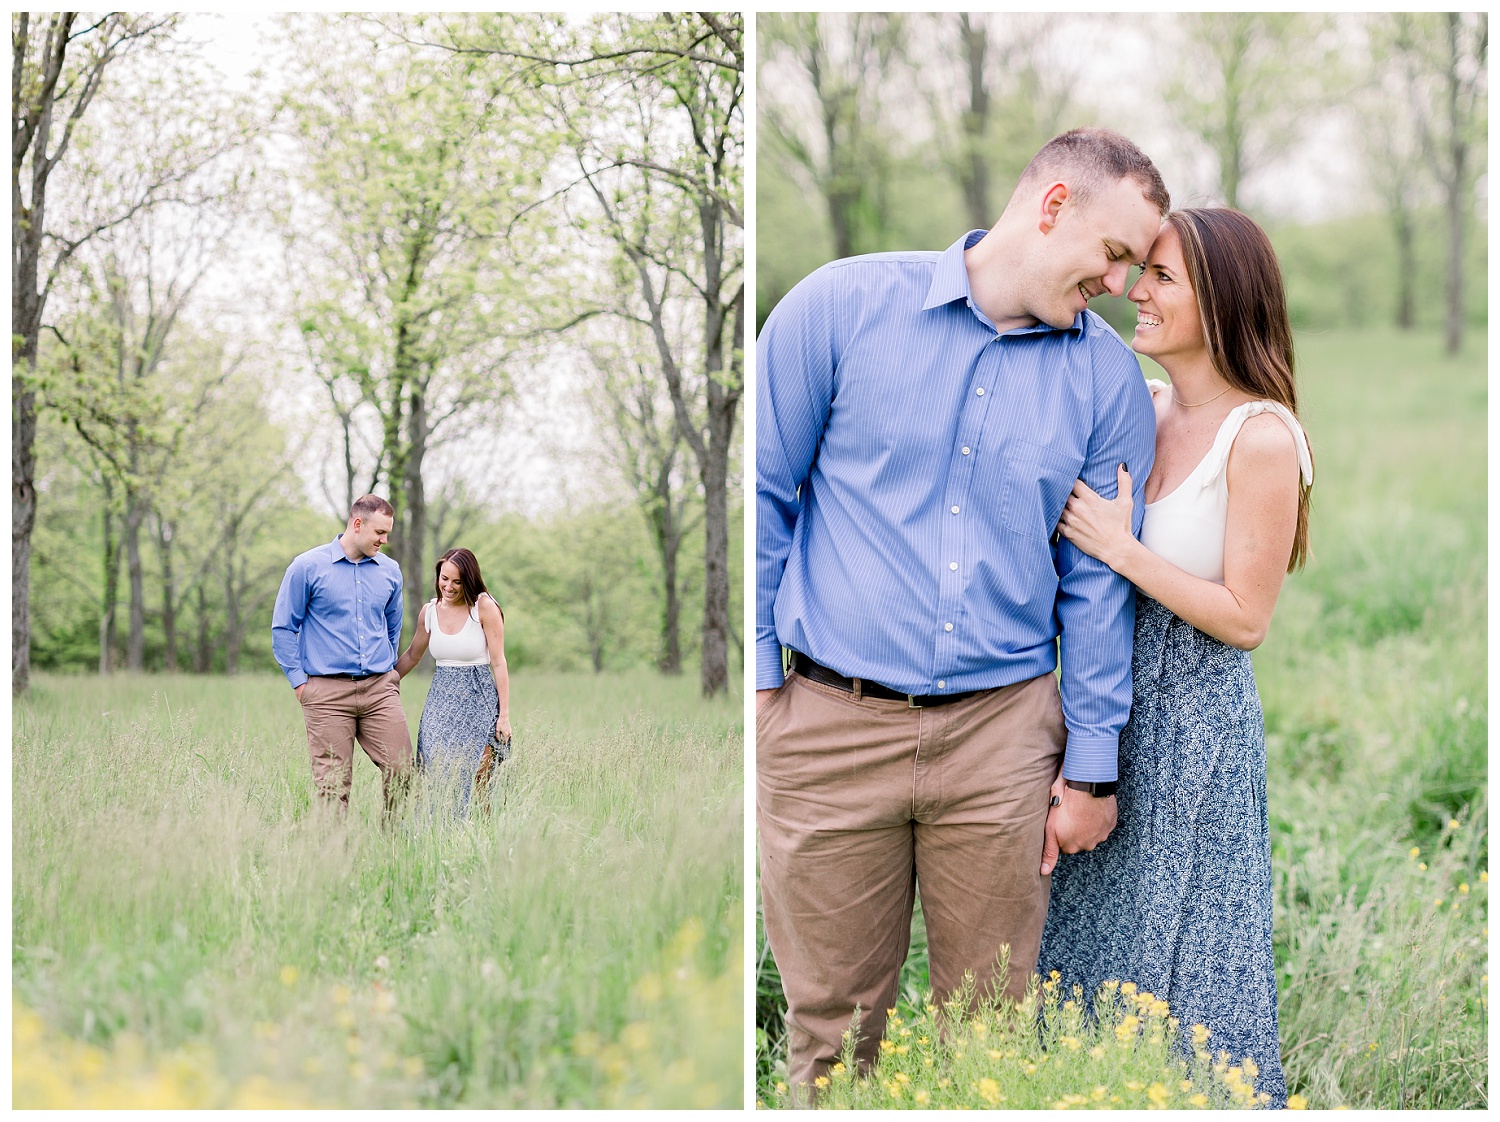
[
  {"x": 950, "y": 282},
  {"x": 336, "y": 553}
]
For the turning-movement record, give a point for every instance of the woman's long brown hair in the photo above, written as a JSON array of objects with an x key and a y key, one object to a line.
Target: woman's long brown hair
[
  {"x": 468, "y": 575},
  {"x": 1242, "y": 303}
]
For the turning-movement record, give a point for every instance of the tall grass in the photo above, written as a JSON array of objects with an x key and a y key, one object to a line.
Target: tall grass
[
  {"x": 1374, "y": 683},
  {"x": 175, "y": 887}
]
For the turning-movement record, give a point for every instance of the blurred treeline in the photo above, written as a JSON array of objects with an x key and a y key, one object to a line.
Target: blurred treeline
[
  {"x": 884, "y": 131},
  {"x": 454, "y": 260}
]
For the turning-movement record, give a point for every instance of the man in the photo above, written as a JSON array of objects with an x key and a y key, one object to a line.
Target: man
[
  {"x": 335, "y": 632},
  {"x": 921, "y": 419}
]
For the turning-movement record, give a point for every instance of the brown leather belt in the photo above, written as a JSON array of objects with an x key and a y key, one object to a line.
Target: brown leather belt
[{"x": 863, "y": 687}]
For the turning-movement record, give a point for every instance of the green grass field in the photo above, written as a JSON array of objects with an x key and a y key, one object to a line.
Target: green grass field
[
  {"x": 189, "y": 930},
  {"x": 1374, "y": 682}
]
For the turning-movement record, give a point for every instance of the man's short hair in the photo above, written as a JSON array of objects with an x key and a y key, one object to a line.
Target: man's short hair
[
  {"x": 366, "y": 505},
  {"x": 1094, "y": 158}
]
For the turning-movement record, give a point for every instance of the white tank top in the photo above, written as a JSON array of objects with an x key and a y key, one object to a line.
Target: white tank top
[
  {"x": 467, "y": 648},
  {"x": 1186, "y": 527}
]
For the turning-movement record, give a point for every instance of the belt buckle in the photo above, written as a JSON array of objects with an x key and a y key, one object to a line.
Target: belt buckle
[{"x": 911, "y": 702}]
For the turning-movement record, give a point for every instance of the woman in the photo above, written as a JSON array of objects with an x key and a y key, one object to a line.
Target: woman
[
  {"x": 466, "y": 719},
  {"x": 1178, "y": 898}
]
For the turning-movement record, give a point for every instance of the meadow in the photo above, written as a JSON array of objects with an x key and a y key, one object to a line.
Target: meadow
[
  {"x": 190, "y": 929},
  {"x": 1374, "y": 684}
]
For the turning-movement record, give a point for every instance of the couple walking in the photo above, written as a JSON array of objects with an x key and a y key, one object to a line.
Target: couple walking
[
  {"x": 954, "y": 460},
  {"x": 335, "y": 632}
]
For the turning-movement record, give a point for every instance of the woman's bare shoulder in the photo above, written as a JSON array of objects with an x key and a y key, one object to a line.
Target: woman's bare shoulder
[{"x": 1264, "y": 447}]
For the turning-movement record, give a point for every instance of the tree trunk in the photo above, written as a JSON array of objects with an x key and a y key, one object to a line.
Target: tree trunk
[
  {"x": 1453, "y": 334},
  {"x": 135, "y": 647},
  {"x": 233, "y": 626},
  {"x": 203, "y": 653},
  {"x": 1406, "y": 268},
  {"x": 22, "y": 512},
  {"x": 665, "y": 523},
  {"x": 111, "y": 582},
  {"x": 974, "y": 168},
  {"x": 168, "y": 594},
  {"x": 414, "y": 537}
]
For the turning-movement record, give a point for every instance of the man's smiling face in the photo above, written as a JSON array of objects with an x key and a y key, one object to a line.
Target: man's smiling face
[{"x": 1089, "y": 250}]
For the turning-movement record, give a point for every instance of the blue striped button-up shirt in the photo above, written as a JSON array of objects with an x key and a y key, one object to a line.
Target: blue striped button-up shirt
[
  {"x": 336, "y": 616},
  {"x": 911, "y": 465}
]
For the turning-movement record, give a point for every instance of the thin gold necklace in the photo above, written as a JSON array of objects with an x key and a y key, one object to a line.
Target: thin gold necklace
[{"x": 1196, "y": 405}]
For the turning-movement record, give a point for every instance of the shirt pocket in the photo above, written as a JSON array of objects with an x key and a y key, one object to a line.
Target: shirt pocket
[{"x": 1038, "y": 481}]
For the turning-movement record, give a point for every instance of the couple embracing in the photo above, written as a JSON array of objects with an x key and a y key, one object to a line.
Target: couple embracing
[
  {"x": 335, "y": 632},
  {"x": 961, "y": 477}
]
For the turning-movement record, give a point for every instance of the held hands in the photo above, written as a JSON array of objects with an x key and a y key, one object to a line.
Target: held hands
[
  {"x": 502, "y": 726},
  {"x": 1098, "y": 526},
  {"x": 1079, "y": 822}
]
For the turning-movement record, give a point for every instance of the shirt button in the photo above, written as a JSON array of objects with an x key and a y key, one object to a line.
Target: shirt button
[
  {"x": 979, "y": 392},
  {"x": 954, "y": 509},
  {"x": 965, "y": 449},
  {"x": 942, "y": 685},
  {"x": 947, "y": 627},
  {"x": 953, "y": 564}
]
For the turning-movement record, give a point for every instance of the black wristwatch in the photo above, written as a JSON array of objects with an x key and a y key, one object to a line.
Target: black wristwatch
[{"x": 1098, "y": 790}]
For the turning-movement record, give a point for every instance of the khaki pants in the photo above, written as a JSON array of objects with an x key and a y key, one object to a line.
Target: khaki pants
[
  {"x": 860, "y": 802},
  {"x": 338, "y": 711}
]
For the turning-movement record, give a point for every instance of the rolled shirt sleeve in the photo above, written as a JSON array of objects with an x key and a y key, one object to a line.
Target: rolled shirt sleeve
[
  {"x": 393, "y": 615},
  {"x": 1096, "y": 606}
]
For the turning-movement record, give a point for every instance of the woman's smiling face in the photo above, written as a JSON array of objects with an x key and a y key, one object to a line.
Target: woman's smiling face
[
  {"x": 1167, "y": 318},
  {"x": 450, "y": 583}
]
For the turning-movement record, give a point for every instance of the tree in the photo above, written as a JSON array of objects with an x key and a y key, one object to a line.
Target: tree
[
  {"x": 1006, "y": 96},
  {"x": 843, "y": 146},
  {"x": 646, "y": 445},
  {"x": 669, "y": 208},
  {"x": 1244, "y": 83},
  {"x": 1445, "y": 58},
  {"x": 1394, "y": 162},
  {"x": 415, "y": 285},
  {"x": 58, "y": 65}
]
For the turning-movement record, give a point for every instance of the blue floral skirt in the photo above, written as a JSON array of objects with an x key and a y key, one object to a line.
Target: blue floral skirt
[
  {"x": 1178, "y": 898},
  {"x": 458, "y": 720}
]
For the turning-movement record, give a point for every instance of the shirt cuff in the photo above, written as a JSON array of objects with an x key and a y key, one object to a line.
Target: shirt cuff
[
  {"x": 295, "y": 677},
  {"x": 1092, "y": 759},
  {"x": 768, "y": 675}
]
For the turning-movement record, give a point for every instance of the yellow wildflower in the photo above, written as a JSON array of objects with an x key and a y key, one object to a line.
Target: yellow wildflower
[
  {"x": 1056, "y": 976},
  {"x": 1415, "y": 851},
  {"x": 989, "y": 1091},
  {"x": 1199, "y": 1100},
  {"x": 921, "y": 1096},
  {"x": 902, "y": 1077},
  {"x": 1186, "y": 1085},
  {"x": 839, "y": 1068},
  {"x": 1296, "y": 1102},
  {"x": 1422, "y": 865},
  {"x": 1252, "y": 1069},
  {"x": 887, "y": 1045},
  {"x": 1072, "y": 1043},
  {"x": 1158, "y": 1094},
  {"x": 922, "y": 1040},
  {"x": 780, "y": 1088},
  {"x": 1484, "y": 876},
  {"x": 1127, "y": 988},
  {"x": 903, "y": 1032},
  {"x": 1097, "y": 1051},
  {"x": 994, "y": 1053},
  {"x": 821, "y": 1081},
  {"x": 902, "y": 1049},
  {"x": 1453, "y": 823},
  {"x": 289, "y": 975},
  {"x": 1464, "y": 888},
  {"x": 1200, "y": 1034},
  {"x": 1134, "y": 1085},
  {"x": 1110, "y": 985},
  {"x": 1098, "y": 1093}
]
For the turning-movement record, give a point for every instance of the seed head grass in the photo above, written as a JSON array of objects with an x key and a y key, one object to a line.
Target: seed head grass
[{"x": 177, "y": 891}]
